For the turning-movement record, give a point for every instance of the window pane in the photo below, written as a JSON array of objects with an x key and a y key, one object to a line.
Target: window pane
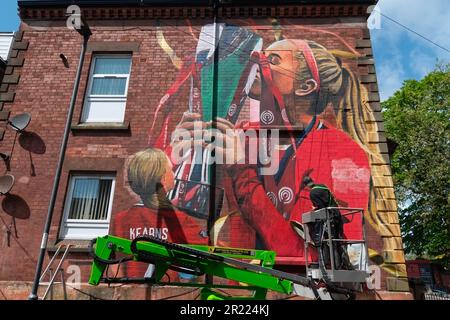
[
  {"x": 112, "y": 66},
  {"x": 90, "y": 199},
  {"x": 109, "y": 86},
  {"x": 104, "y": 111}
]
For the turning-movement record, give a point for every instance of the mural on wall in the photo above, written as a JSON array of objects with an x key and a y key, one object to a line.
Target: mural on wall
[
  {"x": 150, "y": 176},
  {"x": 244, "y": 79}
]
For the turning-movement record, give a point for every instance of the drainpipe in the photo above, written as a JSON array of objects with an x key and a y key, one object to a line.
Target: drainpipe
[
  {"x": 212, "y": 169},
  {"x": 86, "y": 33}
]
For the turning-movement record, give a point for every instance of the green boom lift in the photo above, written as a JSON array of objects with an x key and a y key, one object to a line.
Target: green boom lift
[{"x": 228, "y": 263}]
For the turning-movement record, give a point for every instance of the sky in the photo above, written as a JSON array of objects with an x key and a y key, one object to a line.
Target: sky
[{"x": 399, "y": 54}]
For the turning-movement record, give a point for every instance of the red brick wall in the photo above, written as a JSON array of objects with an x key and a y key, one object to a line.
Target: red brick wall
[{"x": 45, "y": 89}]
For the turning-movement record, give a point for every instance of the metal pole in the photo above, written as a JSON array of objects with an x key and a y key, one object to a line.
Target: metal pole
[
  {"x": 212, "y": 169},
  {"x": 48, "y": 222},
  {"x": 330, "y": 241}
]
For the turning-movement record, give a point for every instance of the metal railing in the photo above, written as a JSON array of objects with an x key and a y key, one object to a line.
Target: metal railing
[
  {"x": 53, "y": 276},
  {"x": 436, "y": 296},
  {"x": 359, "y": 273}
]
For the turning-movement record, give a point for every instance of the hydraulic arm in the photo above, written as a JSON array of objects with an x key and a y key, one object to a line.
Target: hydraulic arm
[
  {"x": 228, "y": 263},
  {"x": 324, "y": 279}
]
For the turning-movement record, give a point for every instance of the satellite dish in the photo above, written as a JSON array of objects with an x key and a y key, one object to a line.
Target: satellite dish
[
  {"x": 6, "y": 183},
  {"x": 20, "y": 122}
]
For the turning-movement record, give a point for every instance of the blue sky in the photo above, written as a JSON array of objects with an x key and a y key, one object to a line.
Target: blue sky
[
  {"x": 399, "y": 54},
  {"x": 402, "y": 55}
]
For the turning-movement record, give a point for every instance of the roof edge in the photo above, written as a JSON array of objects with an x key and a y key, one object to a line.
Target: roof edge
[{"x": 171, "y": 3}]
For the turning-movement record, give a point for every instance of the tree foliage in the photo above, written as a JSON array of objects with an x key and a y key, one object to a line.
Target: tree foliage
[{"x": 417, "y": 118}]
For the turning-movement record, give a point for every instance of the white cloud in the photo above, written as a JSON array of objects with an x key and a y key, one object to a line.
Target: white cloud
[
  {"x": 398, "y": 62},
  {"x": 430, "y": 19},
  {"x": 421, "y": 63},
  {"x": 390, "y": 77}
]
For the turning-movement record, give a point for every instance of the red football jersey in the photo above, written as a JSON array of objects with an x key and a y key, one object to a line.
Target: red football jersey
[
  {"x": 171, "y": 225},
  {"x": 330, "y": 157}
]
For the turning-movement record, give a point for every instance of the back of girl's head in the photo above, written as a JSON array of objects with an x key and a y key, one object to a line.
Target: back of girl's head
[
  {"x": 340, "y": 87},
  {"x": 145, "y": 171},
  {"x": 329, "y": 67}
]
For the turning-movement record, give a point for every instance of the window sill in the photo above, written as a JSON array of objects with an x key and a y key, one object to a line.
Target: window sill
[
  {"x": 75, "y": 246},
  {"x": 102, "y": 126}
]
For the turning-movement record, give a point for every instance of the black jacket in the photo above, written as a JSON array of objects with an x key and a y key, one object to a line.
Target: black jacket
[{"x": 321, "y": 197}]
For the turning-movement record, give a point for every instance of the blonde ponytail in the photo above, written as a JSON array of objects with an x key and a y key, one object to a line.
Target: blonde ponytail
[{"x": 145, "y": 172}]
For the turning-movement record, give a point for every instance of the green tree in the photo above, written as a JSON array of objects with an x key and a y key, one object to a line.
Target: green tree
[{"x": 417, "y": 118}]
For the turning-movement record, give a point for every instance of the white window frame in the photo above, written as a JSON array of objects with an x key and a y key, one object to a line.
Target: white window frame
[
  {"x": 85, "y": 229},
  {"x": 104, "y": 98}
]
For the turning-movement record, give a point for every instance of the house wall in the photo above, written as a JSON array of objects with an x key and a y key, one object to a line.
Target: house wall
[{"x": 37, "y": 82}]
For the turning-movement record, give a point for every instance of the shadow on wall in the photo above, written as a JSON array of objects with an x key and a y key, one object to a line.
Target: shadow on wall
[
  {"x": 16, "y": 207},
  {"x": 33, "y": 143}
]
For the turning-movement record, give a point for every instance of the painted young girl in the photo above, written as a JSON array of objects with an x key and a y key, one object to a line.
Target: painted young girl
[{"x": 150, "y": 176}]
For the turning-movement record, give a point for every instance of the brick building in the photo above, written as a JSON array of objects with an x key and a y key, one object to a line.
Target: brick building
[
  {"x": 134, "y": 55},
  {"x": 424, "y": 275}
]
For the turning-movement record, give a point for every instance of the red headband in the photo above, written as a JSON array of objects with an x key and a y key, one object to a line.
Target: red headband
[{"x": 311, "y": 61}]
